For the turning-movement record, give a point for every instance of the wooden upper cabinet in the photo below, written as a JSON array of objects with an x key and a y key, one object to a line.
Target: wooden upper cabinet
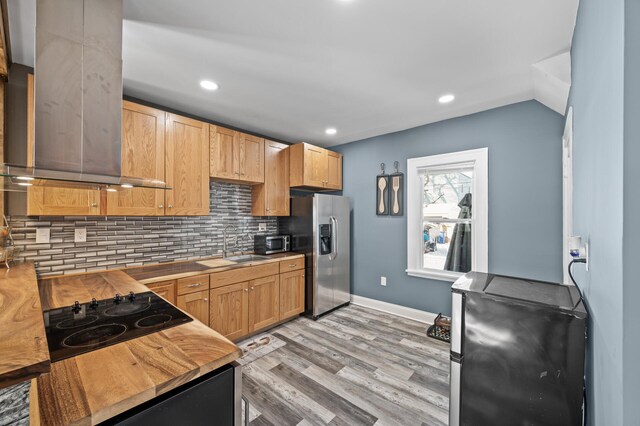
[
  {"x": 225, "y": 153},
  {"x": 334, "y": 170},
  {"x": 229, "y": 310},
  {"x": 143, "y": 155},
  {"x": 264, "y": 302},
  {"x": 52, "y": 201},
  {"x": 251, "y": 164},
  {"x": 313, "y": 167},
  {"x": 272, "y": 198},
  {"x": 187, "y": 166},
  {"x": 236, "y": 156}
]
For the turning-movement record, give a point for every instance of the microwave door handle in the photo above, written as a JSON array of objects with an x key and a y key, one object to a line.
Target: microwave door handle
[{"x": 334, "y": 238}]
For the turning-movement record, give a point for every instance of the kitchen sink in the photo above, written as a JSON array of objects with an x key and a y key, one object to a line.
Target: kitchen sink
[{"x": 246, "y": 258}]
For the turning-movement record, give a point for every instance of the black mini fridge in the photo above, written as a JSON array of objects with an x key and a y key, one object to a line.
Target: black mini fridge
[{"x": 517, "y": 352}]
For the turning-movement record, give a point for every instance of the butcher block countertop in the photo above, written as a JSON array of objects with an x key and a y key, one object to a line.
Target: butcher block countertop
[
  {"x": 172, "y": 271},
  {"x": 23, "y": 344},
  {"x": 95, "y": 386}
]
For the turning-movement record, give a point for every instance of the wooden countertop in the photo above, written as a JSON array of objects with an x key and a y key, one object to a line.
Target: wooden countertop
[
  {"x": 172, "y": 271},
  {"x": 23, "y": 343},
  {"x": 95, "y": 386}
]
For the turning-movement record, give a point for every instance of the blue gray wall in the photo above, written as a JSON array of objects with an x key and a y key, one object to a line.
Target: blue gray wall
[
  {"x": 525, "y": 200},
  {"x": 597, "y": 96}
]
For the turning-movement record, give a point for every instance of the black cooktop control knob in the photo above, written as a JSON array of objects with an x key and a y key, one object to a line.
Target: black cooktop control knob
[
  {"x": 93, "y": 304},
  {"x": 76, "y": 308},
  {"x": 132, "y": 296},
  {"x": 117, "y": 299}
]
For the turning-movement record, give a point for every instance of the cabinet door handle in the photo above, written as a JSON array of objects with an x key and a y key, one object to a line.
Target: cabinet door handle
[
  {"x": 205, "y": 299},
  {"x": 194, "y": 285},
  {"x": 94, "y": 204},
  {"x": 161, "y": 206},
  {"x": 170, "y": 206},
  {"x": 292, "y": 265},
  {"x": 252, "y": 288},
  {"x": 246, "y": 289}
]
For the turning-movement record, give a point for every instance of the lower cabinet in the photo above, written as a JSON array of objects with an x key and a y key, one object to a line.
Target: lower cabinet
[
  {"x": 291, "y": 294},
  {"x": 264, "y": 302},
  {"x": 165, "y": 289},
  {"x": 196, "y": 304},
  {"x": 229, "y": 310}
]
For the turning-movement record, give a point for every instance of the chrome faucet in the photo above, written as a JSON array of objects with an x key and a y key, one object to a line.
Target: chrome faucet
[{"x": 224, "y": 240}]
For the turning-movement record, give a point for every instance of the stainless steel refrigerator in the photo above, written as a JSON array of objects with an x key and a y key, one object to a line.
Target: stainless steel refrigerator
[
  {"x": 517, "y": 352},
  {"x": 319, "y": 226}
]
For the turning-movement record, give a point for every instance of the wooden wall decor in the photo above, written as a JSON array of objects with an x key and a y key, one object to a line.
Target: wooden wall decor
[
  {"x": 396, "y": 192},
  {"x": 382, "y": 193}
]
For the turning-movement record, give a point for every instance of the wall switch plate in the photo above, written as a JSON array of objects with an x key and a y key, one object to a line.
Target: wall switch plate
[
  {"x": 43, "y": 235},
  {"x": 80, "y": 235},
  {"x": 262, "y": 227},
  {"x": 383, "y": 281}
]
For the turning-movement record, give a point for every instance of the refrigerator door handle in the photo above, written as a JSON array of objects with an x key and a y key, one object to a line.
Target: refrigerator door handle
[{"x": 334, "y": 238}]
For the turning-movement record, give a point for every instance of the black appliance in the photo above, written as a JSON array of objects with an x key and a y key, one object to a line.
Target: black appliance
[
  {"x": 84, "y": 327},
  {"x": 270, "y": 244},
  {"x": 517, "y": 352}
]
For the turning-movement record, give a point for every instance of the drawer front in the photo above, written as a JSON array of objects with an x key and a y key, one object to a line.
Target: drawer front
[
  {"x": 291, "y": 265},
  {"x": 247, "y": 273},
  {"x": 193, "y": 284}
]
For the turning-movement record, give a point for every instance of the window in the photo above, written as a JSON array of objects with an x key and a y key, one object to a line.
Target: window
[{"x": 447, "y": 214}]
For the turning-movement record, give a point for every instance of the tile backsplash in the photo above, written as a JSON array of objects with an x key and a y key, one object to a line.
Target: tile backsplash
[{"x": 117, "y": 242}]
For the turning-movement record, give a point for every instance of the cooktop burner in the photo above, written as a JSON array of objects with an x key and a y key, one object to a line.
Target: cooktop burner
[{"x": 85, "y": 327}]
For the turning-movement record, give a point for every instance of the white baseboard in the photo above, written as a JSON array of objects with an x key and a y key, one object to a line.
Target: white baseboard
[{"x": 390, "y": 308}]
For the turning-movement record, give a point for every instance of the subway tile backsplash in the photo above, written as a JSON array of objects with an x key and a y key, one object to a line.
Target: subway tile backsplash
[{"x": 117, "y": 242}]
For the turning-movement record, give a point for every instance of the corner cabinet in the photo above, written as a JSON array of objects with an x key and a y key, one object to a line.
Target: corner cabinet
[
  {"x": 187, "y": 166},
  {"x": 315, "y": 168},
  {"x": 236, "y": 156},
  {"x": 272, "y": 197}
]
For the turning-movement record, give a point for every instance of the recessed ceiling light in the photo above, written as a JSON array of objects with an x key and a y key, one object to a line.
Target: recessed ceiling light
[
  {"x": 331, "y": 131},
  {"x": 209, "y": 85},
  {"x": 445, "y": 99}
]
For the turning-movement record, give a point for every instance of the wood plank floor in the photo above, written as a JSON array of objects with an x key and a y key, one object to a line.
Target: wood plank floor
[{"x": 355, "y": 366}]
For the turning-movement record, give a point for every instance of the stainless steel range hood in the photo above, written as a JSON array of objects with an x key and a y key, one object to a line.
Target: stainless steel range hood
[{"x": 78, "y": 98}]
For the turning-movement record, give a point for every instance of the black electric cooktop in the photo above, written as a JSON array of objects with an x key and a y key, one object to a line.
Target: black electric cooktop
[{"x": 85, "y": 327}]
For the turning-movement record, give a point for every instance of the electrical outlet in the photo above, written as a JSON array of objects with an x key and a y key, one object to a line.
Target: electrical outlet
[
  {"x": 80, "y": 235},
  {"x": 383, "y": 281},
  {"x": 43, "y": 235},
  {"x": 262, "y": 227}
]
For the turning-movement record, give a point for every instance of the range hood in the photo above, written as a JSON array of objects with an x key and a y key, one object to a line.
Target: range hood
[{"x": 78, "y": 99}]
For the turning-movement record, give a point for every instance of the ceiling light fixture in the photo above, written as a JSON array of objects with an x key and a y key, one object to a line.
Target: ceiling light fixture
[
  {"x": 208, "y": 85},
  {"x": 24, "y": 178},
  {"x": 331, "y": 131},
  {"x": 126, "y": 185},
  {"x": 445, "y": 99}
]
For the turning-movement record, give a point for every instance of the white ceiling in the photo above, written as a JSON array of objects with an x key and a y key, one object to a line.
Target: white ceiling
[{"x": 291, "y": 68}]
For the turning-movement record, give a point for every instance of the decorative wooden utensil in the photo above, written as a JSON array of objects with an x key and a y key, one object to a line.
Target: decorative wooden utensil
[
  {"x": 396, "y": 199},
  {"x": 382, "y": 193}
]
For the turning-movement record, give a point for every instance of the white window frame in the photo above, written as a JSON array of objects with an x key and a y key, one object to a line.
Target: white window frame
[{"x": 479, "y": 158}]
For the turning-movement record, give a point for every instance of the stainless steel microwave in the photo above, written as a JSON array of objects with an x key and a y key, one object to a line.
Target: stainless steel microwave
[{"x": 270, "y": 244}]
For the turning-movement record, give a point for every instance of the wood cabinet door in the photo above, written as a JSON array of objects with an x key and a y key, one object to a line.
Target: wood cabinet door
[
  {"x": 142, "y": 156},
  {"x": 334, "y": 170},
  {"x": 166, "y": 289},
  {"x": 251, "y": 165},
  {"x": 229, "y": 310},
  {"x": 196, "y": 304},
  {"x": 224, "y": 150},
  {"x": 187, "y": 166},
  {"x": 264, "y": 302},
  {"x": 49, "y": 201},
  {"x": 291, "y": 294},
  {"x": 272, "y": 198},
  {"x": 315, "y": 166}
]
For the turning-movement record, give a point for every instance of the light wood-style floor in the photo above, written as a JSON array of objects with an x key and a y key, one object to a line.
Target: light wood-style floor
[{"x": 355, "y": 366}]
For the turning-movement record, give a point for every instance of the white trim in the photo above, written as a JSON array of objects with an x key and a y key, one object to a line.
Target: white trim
[
  {"x": 480, "y": 239},
  {"x": 390, "y": 308},
  {"x": 567, "y": 192}
]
